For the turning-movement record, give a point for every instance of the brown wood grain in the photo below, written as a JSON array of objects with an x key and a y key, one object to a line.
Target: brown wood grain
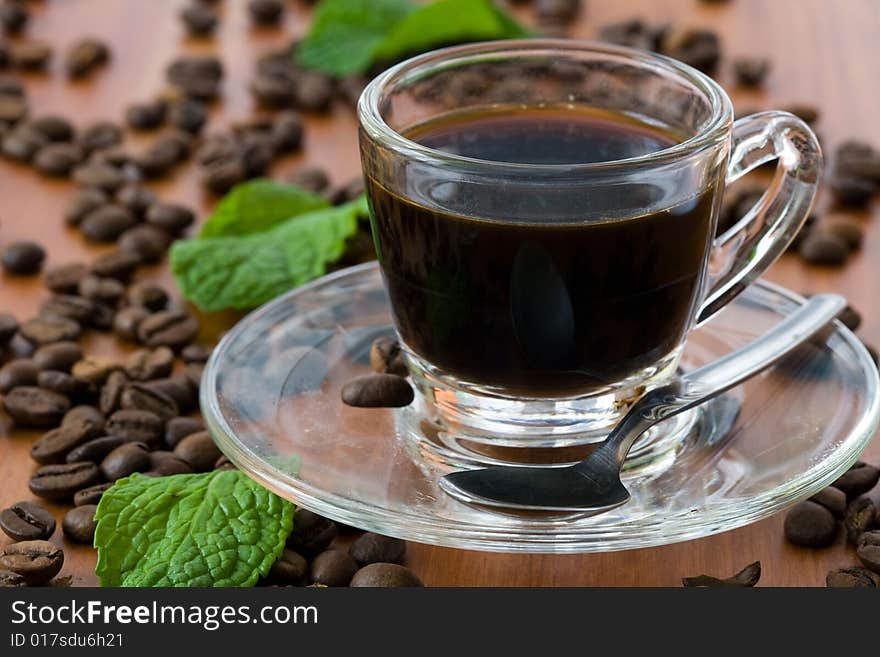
[{"x": 823, "y": 51}]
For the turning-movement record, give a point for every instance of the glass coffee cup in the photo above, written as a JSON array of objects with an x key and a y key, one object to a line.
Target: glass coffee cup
[{"x": 545, "y": 216}]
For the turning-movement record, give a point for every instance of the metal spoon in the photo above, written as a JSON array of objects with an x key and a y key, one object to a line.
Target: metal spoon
[{"x": 593, "y": 485}]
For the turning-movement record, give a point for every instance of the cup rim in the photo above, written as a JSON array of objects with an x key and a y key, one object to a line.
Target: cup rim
[{"x": 371, "y": 120}]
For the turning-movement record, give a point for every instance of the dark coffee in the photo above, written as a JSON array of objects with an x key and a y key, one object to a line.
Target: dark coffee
[{"x": 559, "y": 303}]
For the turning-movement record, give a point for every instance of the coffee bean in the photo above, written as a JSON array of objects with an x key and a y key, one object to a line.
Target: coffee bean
[
  {"x": 27, "y": 521},
  {"x": 751, "y": 71},
  {"x": 149, "y": 243},
  {"x": 158, "y": 159},
  {"x": 179, "y": 428},
  {"x": 220, "y": 177},
  {"x": 385, "y": 575},
  {"x": 136, "y": 425},
  {"x": 868, "y": 550},
  {"x": 311, "y": 533},
  {"x": 177, "y": 388},
  {"x": 287, "y": 132},
  {"x": 60, "y": 482},
  {"x": 127, "y": 320},
  {"x": 852, "y": 192},
  {"x": 147, "y": 295},
  {"x": 170, "y": 217},
  {"x": 291, "y": 569},
  {"x": 20, "y": 347},
  {"x": 136, "y": 198},
  {"x": 36, "y": 561},
  {"x": 9, "y": 579},
  {"x": 30, "y": 406},
  {"x": 125, "y": 460},
  {"x": 199, "y": 19},
  {"x": 137, "y": 396},
  {"x": 8, "y": 328},
  {"x": 274, "y": 91},
  {"x": 314, "y": 91},
  {"x": 859, "y": 517},
  {"x": 23, "y": 258},
  {"x": 386, "y": 357},
  {"x": 195, "y": 353},
  {"x": 22, "y": 142},
  {"x": 378, "y": 391},
  {"x": 147, "y": 364},
  {"x": 188, "y": 115},
  {"x": 99, "y": 175},
  {"x": 860, "y": 478},
  {"x": 86, "y": 202},
  {"x": 375, "y": 548},
  {"x": 810, "y": 525},
  {"x": 84, "y": 414},
  {"x": 823, "y": 248},
  {"x": 53, "y": 446},
  {"x": 193, "y": 373},
  {"x": 13, "y": 17},
  {"x": 107, "y": 223},
  {"x": 333, "y": 568},
  {"x": 90, "y": 495},
  {"x": 556, "y": 11},
  {"x": 806, "y": 113},
  {"x": 116, "y": 264},
  {"x": 99, "y": 136},
  {"x": 58, "y": 159},
  {"x": 54, "y": 128},
  {"x": 94, "y": 450},
  {"x": 79, "y": 524},
  {"x": 111, "y": 392},
  {"x": 169, "y": 329},
  {"x": 199, "y": 450},
  {"x": 85, "y": 56},
  {"x": 147, "y": 115},
  {"x": 18, "y": 372},
  {"x": 854, "y": 577},
  {"x": 105, "y": 290},
  {"x": 67, "y": 306},
  {"x": 167, "y": 463},
  {"x": 94, "y": 370},
  {"x": 64, "y": 384},
  {"x": 64, "y": 279},
  {"x": 197, "y": 76}
]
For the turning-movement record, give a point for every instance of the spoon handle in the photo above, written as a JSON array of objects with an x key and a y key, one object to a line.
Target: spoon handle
[{"x": 708, "y": 381}]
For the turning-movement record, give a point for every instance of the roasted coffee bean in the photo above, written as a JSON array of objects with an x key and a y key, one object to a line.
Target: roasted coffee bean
[
  {"x": 287, "y": 132},
  {"x": 94, "y": 450},
  {"x": 854, "y": 577},
  {"x": 60, "y": 482},
  {"x": 386, "y": 357},
  {"x": 12, "y": 110},
  {"x": 158, "y": 159},
  {"x": 333, "y": 568},
  {"x": 13, "y": 16},
  {"x": 30, "y": 406},
  {"x": 868, "y": 550},
  {"x": 810, "y": 525},
  {"x": 107, "y": 223},
  {"x": 823, "y": 248},
  {"x": 291, "y": 569},
  {"x": 58, "y": 159},
  {"x": 217, "y": 147},
  {"x": 378, "y": 391},
  {"x": 312, "y": 178},
  {"x": 54, "y": 128},
  {"x": 111, "y": 392},
  {"x": 127, "y": 320},
  {"x": 85, "y": 56},
  {"x": 167, "y": 463},
  {"x": 195, "y": 353},
  {"x": 102, "y": 317},
  {"x": 36, "y": 561},
  {"x": 27, "y": 521},
  {"x": 20, "y": 347},
  {"x": 147, "y": 115},
  {"x": 177, "y": 388},
  {"x": 193, "y": 373},
  {"x": 79, "y": 524},
  {"x": 136, "y": 198},
  {"x": 199, "y": 19},
  {"x": 105, "y": 290},
  {"x": 188, "y": 115},
  {"x": 219, "y": 177},
  {"x": 94, "y": 370},
  {"x": 13, "y": 87},
  {"x": 223, "y": 463},
  {"x": 747, "y": 577},
  {"x": 85, "y": 203},
  {"x": 9, "y": 579},
  {"x": 374, "y": 548},
  {"x": 266, "y": 12},
  {"x": 314, "y": 91},
  {"x": 8, "y": 328},
  {"x": 257, "y": 153},
  {"x": 99, "y": 175},
  {"x": 274, "y": 91},
  {"x": 90, "y": 495},
  {"x": 22, "y": 142},
  {"x": 67, "y": 306},
  {"x": 861, "y": 477},
  {"x": 557, "y": 11},
  {"x": 64, "y": 384},
  {"x": 311, "y": 533},
  {"x": 136, "y": 425},
  {"x": 53, "y": 446},
  {"x": 806, "y": 113},
  {"x": 179, "y": 428},
  {"x": 116, "y": 264},
  {"x": 696, "y": 47},
  {"x": 199, "y": 450},
  {"x": 147, "y": 364},
  {"x": 84, "y": 414},
  {"x": 137, "y": 396},
  {"x": 385, "y": 575},
  {"x": 99, "y": 136},
  {"x": 197, "y": 76},
  {"x": 147, "y": 295},
  {"x": 125, "y": 460},
  {"x": 851, "y": 191},
  {"x": 170, "y": 217},
  {"x": 23, "y": 258},
  {"x": 149, "y": 243},
  {"x": 64, "y": 279},
  {"x": 18, "y": 372},
  {"x": 859, "y": 517},
  {"x": 168, "y": 328},
  {"x": 751, "y": 71}
]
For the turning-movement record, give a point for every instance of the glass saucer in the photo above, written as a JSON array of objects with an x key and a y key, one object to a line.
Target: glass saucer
[{"x": 271, "y": 397}]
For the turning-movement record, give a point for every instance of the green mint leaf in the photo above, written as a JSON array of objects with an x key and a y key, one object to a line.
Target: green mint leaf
[
  {"x": 349, "y": 36},
  {"x": 214, "y": 529},
  {"x": 344, "y": 34},
  {"x": 244, "y": 272},
  {"x": 259, "y": 205}
]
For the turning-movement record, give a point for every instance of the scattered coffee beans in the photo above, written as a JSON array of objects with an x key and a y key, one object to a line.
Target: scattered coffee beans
[
  {"x": 18, "y": 372},
  {"x": 86, "y": 56},
  {"x": 90, "y": 495},
  {"x": 30, "y": 406},
  {"x": 36, "y": 561},
  {"x": 378, "y": 390},
  {"x": 810, "y": 525},
  {"x": 27, "y": 521},
  {"x": 385, "y": 575},
  {"x": 79, "y": 524},
  {"x": 747, "y": 577},
  {"x": 199, "y": 450},
  {"x": 374, "y": 548},
  {"x": 332, "y": 568},
  {"x": 125, "y": 460},
  {"x": 854, "y": 577},
  {"x": 60, "y": 482},
  {"x": 859, "y": 517},
  {"x": 291, "y": 569},
  {"x": 23, "y": 258},
  {"x": 311, "y": 533},
  {"x": 868, "y": 550},
  {"x": 861, "y": 477}
]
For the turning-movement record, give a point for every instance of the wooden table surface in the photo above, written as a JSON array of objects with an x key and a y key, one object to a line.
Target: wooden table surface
[{"x": 824, "y": 52}]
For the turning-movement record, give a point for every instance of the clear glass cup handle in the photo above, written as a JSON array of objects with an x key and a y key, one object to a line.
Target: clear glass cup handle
[{"x": 743, "y": 252}]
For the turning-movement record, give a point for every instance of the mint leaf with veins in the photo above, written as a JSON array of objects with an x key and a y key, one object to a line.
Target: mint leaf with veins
[{"x": 214, "y": 529}]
